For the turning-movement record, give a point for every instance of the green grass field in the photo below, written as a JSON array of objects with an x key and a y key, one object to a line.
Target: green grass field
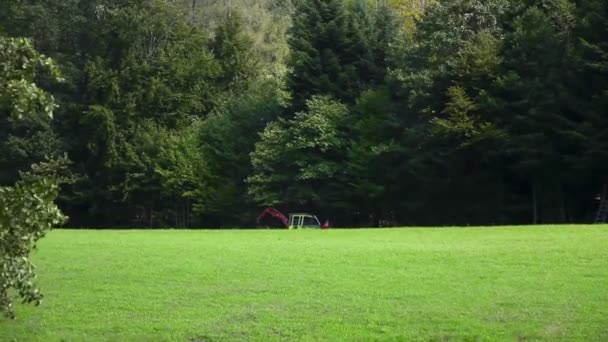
[{"x": 519, "y": 283}]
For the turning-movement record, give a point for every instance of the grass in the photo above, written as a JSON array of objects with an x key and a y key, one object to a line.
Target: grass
[{"x": 517, "y": 283}]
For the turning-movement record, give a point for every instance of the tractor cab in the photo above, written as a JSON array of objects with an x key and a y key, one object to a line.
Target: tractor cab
[
  {"x": 295, "y": 220},
  {"x": 303, "y": 220}
]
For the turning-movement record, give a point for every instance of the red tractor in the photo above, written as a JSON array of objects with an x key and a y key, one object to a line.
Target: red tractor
[{"x": 295, "y": 220}]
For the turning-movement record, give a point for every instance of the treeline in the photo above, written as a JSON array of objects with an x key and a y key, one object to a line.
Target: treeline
[{"x": 366, "y": 112}]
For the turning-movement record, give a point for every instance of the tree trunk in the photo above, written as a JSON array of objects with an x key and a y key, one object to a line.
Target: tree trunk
[
  {"x": 534, "y": 204},
  {"x": 176, "y": 212},
  {"x": 193, "y": 10},
  {"x": 184, "y": 214},
  {"x": 150, "y": 215},
  {"x": 562, "y": 205},
  {"x": 187, "y": 218}
]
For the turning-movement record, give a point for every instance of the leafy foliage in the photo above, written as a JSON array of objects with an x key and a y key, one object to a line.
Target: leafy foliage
[
  {"x": 198, "y": 112},
  {"x": 27, "y": 212},
  {"x": 226, "y": 142},
  {"x": 27, "y": 208},
  {"x": 232, "y": 49},
  {"x": 26, "y": 110},
  {"x": 295, "y": 159}
]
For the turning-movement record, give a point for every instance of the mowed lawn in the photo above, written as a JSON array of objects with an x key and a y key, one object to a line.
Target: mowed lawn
[{"x": 441, "y": 284}]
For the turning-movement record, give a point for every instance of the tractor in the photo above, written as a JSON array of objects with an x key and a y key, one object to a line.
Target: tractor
[{"x": 295, "y": 220}]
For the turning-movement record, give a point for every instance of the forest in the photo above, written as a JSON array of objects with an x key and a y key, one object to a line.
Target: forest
[{"x": 201, "y": 113}]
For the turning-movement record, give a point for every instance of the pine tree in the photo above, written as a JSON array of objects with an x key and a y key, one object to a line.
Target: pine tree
[
  {"x": 540, "y": 118},
  {"x": 358, "y": 61},
  {"x": 387, "y": 35},
  {"x": 592, "y": 53},
  {"x": 318, "y": 42},
  {"x": 233, "y": 50}
]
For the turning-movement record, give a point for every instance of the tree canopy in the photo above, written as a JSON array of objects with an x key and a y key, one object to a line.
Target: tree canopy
[
  {"x": 200, "y": 113},
  {"x": 27, "y": 206}
]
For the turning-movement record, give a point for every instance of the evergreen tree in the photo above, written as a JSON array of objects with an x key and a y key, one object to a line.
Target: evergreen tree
[
  {"x": 540, "y": 116},
  {"x": 359, "y": 62},
  {"x": 370, "y": 178},
  {"x": 233, "y": 50},
  {"x": 227, "y": 139},
  {"x": 592, "y": 52},
  {"x": 318, "y": 47}
]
